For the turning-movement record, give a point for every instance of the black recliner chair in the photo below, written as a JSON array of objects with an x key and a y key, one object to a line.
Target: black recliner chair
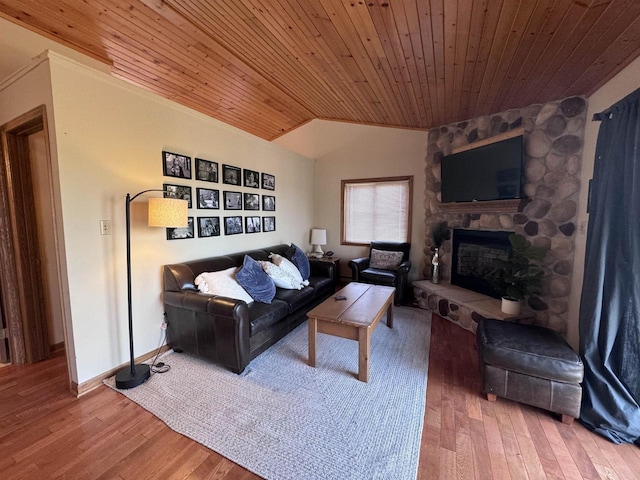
[{"x": 362, "y": 272}]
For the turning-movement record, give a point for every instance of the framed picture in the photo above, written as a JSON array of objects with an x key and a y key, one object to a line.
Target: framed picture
[
  {"x": 181, "y": 192},
  {"x": 268, "y": 224},
  {"x": 232, "y": 225},
  {"x": 232, "y": 200},
  {"x": 268, "y": 203},
  {"x": 252, "y": 224},
  {"x": 251, "y": 178},
  {"x": 206, "y": 171},
  {"x": 174, "y": 165},
  {"x": 251, "y": 201},
  {"x": 208, "y": 198},
  {"x": 208, "y": 226},
  {"x": 268, "y": 181},
  {"x": 230, "y": 175},
  {"x": 180, "y": 233}
]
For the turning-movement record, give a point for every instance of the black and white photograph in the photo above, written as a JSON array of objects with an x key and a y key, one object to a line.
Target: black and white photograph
[
  {"x": 251, "y": 201},
  {"x": 208, "y": 226},
  {"x": 268, "y": 224},
  {"x": 232, "y": 225},
  {"x": 208, "y": 198},
  {"x": 252, "y": 224},
  {"x": 269, "y": 203},
  {"x": 206, "y": 170},
  {"x": 180, "y": 192},
  {"x": 268, "y": 181},
  {"x": 180, "y": 233},
  {"x": 232, "y": 200},
  {"x": 231, "y": 175},
  {"x": 175, "y": 165},
  {"x": 251, "y": 178}
]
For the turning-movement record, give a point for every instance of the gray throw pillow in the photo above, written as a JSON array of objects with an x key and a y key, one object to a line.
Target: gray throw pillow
[{"x": 385, "y": 260}]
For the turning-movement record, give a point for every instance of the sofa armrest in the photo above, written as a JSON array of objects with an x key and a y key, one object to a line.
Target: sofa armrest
[
  {"x": 357, "y": 265},
  {"x": 322, "y": 269},
  {"x": 403, "y": 268},
  {"x": 215, "y": 327}
]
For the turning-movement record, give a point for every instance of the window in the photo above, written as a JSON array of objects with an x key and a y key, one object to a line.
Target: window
[{"x": 376, "y": 209}]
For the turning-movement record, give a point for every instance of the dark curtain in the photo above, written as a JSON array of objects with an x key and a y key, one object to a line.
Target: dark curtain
[{"x": 610, "y": 305}]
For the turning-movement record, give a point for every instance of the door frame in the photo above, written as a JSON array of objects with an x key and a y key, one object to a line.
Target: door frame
[{"x": 28, "y": 335}]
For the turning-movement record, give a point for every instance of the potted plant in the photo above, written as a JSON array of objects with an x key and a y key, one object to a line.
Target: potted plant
[
  {"x": 519, "y": 276},
  {"x": 439, "y": 233}
]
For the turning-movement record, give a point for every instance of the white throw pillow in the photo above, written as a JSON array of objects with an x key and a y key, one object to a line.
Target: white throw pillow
[
  {"x": 222, "y": 283},
  {"x": 289, "y": 267},
  {"x": 280, "y": 277}
]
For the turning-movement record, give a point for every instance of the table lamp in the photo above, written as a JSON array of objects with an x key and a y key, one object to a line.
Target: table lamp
[{"x": 318, "y": 238}]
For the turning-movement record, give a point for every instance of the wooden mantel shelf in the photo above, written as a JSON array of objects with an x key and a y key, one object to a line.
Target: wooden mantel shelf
[{"x": 492, "y": 206}]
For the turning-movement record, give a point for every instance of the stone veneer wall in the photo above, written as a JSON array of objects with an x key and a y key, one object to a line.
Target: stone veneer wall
[{"x": 554, "y": 137}]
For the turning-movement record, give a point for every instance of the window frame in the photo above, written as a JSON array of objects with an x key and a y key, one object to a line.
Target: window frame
[{"x": 344, "y": 183}]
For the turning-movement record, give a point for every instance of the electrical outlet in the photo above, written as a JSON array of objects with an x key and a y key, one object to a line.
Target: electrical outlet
[
  {"x": 582, "y": 227},
  {"x": 105, "y": 227}
]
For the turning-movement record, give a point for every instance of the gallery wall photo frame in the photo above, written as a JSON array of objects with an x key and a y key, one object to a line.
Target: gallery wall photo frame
[
  {"x": 181, "y": 233},
  {"x": 208, "y": 198},
  {"x": 176, "y": 165},
  {"x": 206, "y": 170},
  {"x": 231, "y": 175},
  {"x": 251, "y": 178},
  {"x": 232, "y": 200},
  {"x": 251, "y": 201},
  {"x": 268, "y": 203},
  {"x": 180, "y": 192},
  {"x": 208, "y": 227},
  {"x": 252, "y": 224},
  {"x": 233, "y": 225},
  {"x": 268, "y": 224},
  {"x": 268, "y": 181}
]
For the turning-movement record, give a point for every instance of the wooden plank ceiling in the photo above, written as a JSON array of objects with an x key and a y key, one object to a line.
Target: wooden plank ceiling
[{"x": 268, "y": 66}]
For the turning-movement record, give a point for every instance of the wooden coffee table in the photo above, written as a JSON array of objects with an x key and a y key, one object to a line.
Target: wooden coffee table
[{"x": 354, "y": 318}]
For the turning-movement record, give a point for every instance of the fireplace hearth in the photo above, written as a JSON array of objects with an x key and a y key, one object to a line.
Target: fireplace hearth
[{"x": 473, "y": 252}]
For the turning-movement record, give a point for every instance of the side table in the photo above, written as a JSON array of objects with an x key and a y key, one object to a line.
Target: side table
[{"x": 336, "y": 265}]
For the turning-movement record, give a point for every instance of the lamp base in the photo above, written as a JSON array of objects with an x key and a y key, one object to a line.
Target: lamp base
[{"x": 125, "y": 379}]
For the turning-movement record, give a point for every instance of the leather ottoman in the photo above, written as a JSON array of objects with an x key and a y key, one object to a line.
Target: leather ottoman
[{"x": 531, "y": 365}]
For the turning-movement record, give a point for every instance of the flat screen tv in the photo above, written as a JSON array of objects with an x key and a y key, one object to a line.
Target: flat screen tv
[{"x": 489, "y": 172}]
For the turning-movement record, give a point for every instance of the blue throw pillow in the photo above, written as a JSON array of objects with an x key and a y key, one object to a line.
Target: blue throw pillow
[
  {"x": 255, "y": 281},
  {"x": 300, "y": 260}
]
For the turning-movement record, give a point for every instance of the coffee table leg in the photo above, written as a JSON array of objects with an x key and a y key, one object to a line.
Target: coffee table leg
[
  {"x": 390, "y": 315},
  {"x": 313, "y": 330},
  {"x": 364, "y": 347}
]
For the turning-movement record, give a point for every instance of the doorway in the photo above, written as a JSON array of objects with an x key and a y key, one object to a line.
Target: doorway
[{"x": 30, "y": 286}]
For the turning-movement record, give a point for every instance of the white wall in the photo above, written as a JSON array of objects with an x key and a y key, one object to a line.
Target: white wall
[
  {"x": 614, "y": 90},
  {"x": 350, "y": 151}
]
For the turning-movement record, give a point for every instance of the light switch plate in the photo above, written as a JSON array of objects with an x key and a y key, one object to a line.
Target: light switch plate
[{"x": 105, "y": 227}]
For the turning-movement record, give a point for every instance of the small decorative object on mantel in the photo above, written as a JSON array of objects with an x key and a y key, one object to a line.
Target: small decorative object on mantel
[
  {"x": 439, "y": 233},
  {"x": 519, "y": 276}
]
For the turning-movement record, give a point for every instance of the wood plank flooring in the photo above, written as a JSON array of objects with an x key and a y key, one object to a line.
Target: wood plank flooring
[{"x": 46, "y": 433}]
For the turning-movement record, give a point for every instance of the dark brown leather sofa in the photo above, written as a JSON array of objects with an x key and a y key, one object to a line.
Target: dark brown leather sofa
[{"x": 228, "y": 331}]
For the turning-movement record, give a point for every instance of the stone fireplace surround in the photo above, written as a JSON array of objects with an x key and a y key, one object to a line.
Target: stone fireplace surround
[{"x": 554, "y": 137}]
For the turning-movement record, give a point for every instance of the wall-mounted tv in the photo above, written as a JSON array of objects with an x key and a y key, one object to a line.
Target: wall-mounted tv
[{"x": 489, "y": 172}]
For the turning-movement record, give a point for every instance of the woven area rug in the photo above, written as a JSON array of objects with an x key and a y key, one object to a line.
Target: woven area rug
[{"x": 282, "y": 419}]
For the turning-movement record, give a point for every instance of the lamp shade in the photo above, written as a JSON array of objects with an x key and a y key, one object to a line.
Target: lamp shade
[
  {"x": 167, "y": 212},
  {"x": 318, "y": 236}
]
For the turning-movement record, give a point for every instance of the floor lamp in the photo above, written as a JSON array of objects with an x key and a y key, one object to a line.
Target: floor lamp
[{"x": 163, "y": 212}]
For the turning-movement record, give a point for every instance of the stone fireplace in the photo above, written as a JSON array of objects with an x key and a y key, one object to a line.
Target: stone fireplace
[
  {"x": 553, "y": 134},
  {"x": 473, "y": 252}
]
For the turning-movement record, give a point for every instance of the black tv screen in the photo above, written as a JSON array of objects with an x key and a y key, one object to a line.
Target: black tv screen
[{"x": 489, "y": 172}]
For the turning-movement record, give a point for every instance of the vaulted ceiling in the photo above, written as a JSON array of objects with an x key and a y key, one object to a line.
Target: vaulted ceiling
[{"x": 268, "y": 66}]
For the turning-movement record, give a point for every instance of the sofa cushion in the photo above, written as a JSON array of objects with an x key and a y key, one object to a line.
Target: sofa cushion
[
  {"x": 322, "y": 285},
  {"x": 376, "y": 275},
  {"x": 528, "y": 349},
  {"x": 300, "y": 260},
  {"x": 262, "y": 315},
  {"x": 222, "y": 283},
  {"x": 386, "y": 260},
  {"x": 295, "y": 299},
  {"x": 255, "y": 281}
]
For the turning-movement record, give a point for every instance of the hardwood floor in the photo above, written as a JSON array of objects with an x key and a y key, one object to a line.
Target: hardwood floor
[{"x": 46, "y": 433}]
